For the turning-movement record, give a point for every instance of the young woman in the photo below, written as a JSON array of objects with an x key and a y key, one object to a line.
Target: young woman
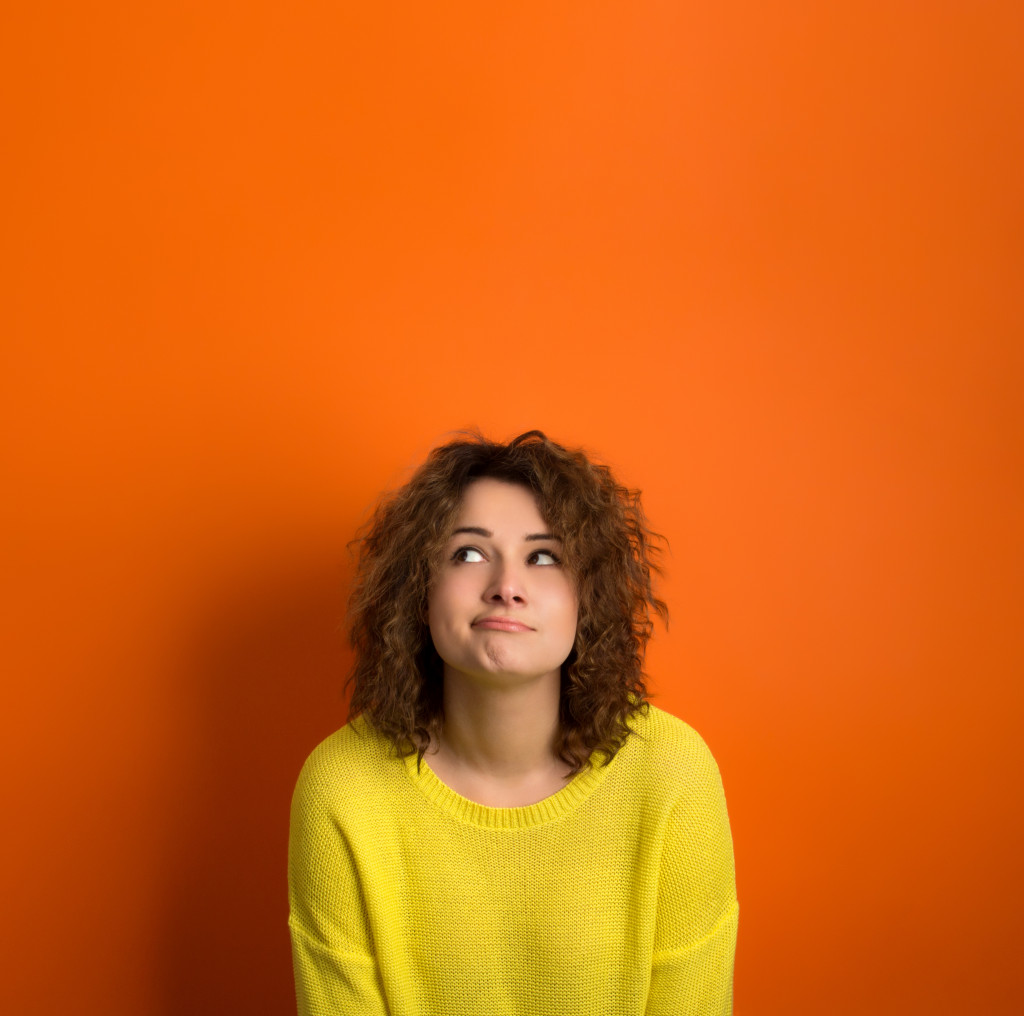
[{"x": 506, "y": 825}]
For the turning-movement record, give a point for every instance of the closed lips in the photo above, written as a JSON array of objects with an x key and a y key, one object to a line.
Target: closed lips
[{"x": 501, "y": 624}]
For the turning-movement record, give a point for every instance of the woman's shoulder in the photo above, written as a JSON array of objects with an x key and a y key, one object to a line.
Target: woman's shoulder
[
  {"x": 356, "y": 759},
  {"x": 662, "y": 733},
  {"x": 667, "y": 753}
]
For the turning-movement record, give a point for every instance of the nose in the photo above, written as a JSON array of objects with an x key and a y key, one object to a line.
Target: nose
[{"x": 507, "y": 585}]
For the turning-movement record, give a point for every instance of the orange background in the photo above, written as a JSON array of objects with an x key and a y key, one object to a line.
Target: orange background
[{"x": 765, "y": 259}]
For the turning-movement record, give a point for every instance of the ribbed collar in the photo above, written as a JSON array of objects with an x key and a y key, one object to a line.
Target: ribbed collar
[{"x": 559, "y": 804}]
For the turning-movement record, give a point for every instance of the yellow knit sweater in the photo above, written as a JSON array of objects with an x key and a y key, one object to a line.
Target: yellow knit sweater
[{"x": 614, "y": 896}]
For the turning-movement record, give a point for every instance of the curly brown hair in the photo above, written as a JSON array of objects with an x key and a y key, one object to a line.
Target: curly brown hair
[{"x": 608, "y": 548}]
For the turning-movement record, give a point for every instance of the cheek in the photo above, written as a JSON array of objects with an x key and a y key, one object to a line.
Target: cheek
[
  {"x": 569, "y": 607},
  {"x": 435, "y": 606},
  {"x": 446, "y": 594},
  {"x": 569, "y": 595}
]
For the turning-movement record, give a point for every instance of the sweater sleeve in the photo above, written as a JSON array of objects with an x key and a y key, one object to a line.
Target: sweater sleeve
[
  {"x": 335, "y": 968},
  {"x": 695, "y": 929}
]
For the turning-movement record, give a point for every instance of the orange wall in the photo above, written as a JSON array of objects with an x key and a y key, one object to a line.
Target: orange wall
[{"x": 763, "y": 258}]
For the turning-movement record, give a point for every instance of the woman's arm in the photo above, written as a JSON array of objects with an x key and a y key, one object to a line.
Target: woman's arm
[
  {"x": 695, "y": 930},
  {"x": 336, "y": 972}
]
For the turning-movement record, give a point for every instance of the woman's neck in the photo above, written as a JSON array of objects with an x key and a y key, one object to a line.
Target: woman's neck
[{"x": 499, "y": 742}]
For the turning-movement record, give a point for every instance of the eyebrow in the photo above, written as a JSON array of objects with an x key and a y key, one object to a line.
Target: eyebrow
[{"x": 480, "y": 531}]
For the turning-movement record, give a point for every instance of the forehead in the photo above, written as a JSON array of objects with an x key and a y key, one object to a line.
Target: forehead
[{"x": 498, "y": 505}]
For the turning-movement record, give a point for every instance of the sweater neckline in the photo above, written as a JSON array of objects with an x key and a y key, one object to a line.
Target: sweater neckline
[{"x": 560, "y": 803}]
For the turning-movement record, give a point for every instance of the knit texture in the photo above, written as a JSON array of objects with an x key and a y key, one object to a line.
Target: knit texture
[{"x": 614, "y": 896}]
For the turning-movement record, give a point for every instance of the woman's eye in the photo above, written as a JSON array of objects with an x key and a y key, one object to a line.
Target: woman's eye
[
  {"x": 467, "y": 555},
  {"x": 542, "y": 557}
]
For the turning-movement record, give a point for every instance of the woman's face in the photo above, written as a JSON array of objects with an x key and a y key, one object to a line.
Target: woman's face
[{"x": 502, "y": 607}]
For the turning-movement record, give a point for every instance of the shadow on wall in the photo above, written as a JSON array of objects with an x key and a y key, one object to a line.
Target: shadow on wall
[{"x": 267, "y": 666}]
